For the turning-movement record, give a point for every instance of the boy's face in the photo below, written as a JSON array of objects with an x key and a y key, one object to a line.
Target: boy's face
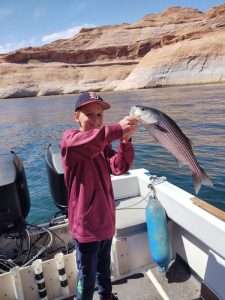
[{"x": 89, "y": 116}]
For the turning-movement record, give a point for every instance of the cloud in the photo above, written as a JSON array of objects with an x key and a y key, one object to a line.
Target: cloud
[
  {"x": 8, "y": 47},
  {"x": 34, "y": 41},
  {"x": 68, "y": 33}
]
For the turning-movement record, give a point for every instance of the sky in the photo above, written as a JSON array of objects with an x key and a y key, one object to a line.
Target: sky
[{"x": 26, "y": 23}]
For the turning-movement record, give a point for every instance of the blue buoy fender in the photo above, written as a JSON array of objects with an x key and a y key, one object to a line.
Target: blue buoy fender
[{"x": 157, "y": 231}]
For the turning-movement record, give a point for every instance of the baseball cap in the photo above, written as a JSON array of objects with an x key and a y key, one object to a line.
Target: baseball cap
[{"x": 90, "y": 97}]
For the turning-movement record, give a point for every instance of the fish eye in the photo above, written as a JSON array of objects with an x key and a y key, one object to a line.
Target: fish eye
[{"x": 142, "y": 108}]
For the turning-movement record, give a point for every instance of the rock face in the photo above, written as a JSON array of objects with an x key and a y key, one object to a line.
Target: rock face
[
  {"x": 178, "y": 46},
  {"x": 188, "y": 62}
]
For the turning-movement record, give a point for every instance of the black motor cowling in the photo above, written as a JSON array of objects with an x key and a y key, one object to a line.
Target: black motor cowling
[
  {"x": 14, "y": 194},
  {"x": 56, "y": 178}
]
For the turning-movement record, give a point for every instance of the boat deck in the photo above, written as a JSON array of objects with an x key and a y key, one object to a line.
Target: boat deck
[
  {"x": 153, "y": 284},
  {"x": 178, "y": 284}
]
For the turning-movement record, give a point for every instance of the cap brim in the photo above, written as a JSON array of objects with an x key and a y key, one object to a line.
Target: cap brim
[{"x": 103, "y": 104}]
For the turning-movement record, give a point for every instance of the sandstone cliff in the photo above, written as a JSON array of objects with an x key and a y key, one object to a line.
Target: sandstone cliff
[{"x": 178, "y": 46}]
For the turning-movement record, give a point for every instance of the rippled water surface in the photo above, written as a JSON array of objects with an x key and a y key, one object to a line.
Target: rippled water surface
[{"x": 28, "y": 125}]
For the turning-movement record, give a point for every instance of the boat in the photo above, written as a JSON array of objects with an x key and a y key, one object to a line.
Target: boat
[{"x": 38, "y": 261}]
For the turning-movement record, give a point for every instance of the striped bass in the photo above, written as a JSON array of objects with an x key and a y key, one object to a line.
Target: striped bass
[{"x": 165, "y": 131}]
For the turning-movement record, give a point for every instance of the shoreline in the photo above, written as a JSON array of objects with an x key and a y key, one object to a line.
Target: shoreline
[{"x": 29, "y": 95}]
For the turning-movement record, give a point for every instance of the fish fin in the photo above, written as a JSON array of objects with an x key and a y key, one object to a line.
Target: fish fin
[
  {"x": 202, "y": 179},
  {"x": 190, "y": 141},
  {"x": 180, "y": 163},
  {"x": 161, "y": 128},
  {"x": 197, "y": 181},
  {"x": 205, "y": 179},
  {"x": 156, "y": 126},
  {"x": 154, "y": 139}
]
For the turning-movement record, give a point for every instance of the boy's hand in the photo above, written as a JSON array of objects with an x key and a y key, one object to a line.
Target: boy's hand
[{"x": 129, "y": 126}]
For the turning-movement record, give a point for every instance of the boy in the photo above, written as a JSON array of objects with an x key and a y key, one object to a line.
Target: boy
[{"x": 88, "y": 160}]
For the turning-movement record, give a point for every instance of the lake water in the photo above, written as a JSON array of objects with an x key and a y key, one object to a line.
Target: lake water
[{"x": 28, "y": 125}]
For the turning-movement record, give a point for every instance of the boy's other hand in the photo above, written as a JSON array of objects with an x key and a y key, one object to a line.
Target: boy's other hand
[{"x": 129, "y": 126}]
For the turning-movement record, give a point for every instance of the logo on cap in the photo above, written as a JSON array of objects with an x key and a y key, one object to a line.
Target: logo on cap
[{"x": 93, "y": 95}]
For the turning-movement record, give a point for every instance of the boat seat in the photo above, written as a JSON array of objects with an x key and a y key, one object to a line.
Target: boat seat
[
  {"x": 130, "y": 216},
  {"x": 55, "y": 173}
]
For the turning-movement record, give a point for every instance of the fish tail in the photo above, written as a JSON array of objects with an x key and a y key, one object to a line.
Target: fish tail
[{"x": 200, "y": 179}]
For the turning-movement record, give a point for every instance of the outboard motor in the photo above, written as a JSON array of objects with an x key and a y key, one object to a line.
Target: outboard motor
[
  {"x": 56, "y": 178},
  {"x": 14, "y": 194}
]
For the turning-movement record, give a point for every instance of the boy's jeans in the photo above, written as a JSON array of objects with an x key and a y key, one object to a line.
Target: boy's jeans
[{"x": 93, "y": 263}]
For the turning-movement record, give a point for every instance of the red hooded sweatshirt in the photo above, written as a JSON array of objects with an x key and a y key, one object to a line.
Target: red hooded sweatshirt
[{"x": 88, "y": 160}]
